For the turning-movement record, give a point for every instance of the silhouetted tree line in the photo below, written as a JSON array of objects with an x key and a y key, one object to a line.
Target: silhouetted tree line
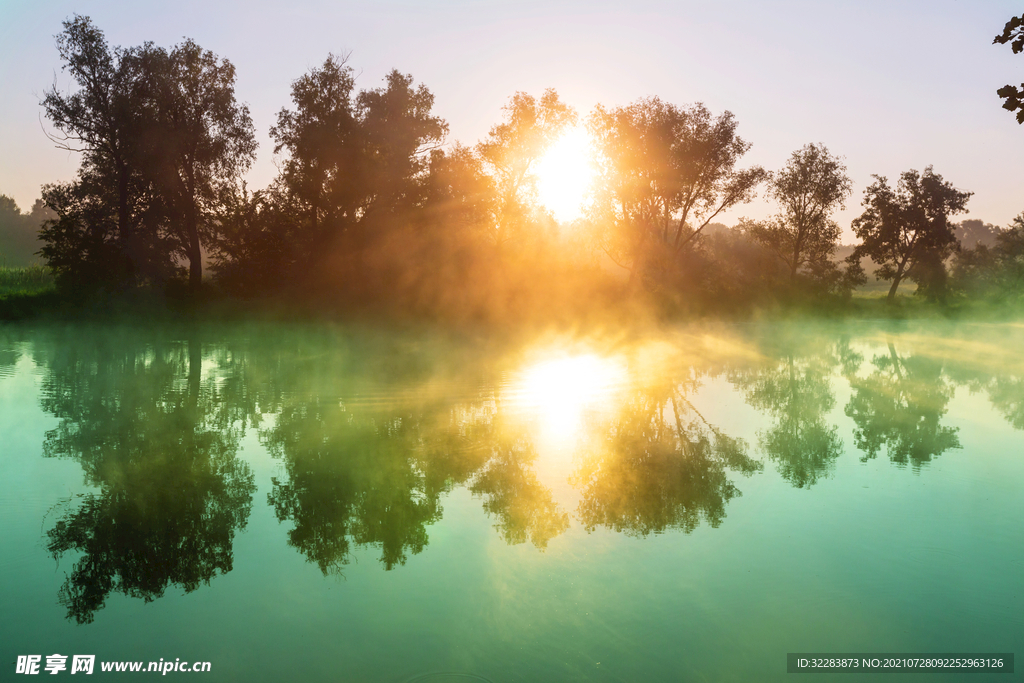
[
  {"x": 19, "y": 232},
  {"x": 370, "y": 208}
]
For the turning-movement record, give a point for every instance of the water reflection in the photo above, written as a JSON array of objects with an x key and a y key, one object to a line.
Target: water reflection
[
  {"x": 147, "y": 433},
  {"x": 373, "y": 432},
  {"x": 352, "y": 480},
  {"x": 659, "y": 465},
  {"x": 796, "y": 392},
  {"x": 900, "y": 406},
  {"x": 561, "y": 389},
  {"x": 523, "y": 507}
]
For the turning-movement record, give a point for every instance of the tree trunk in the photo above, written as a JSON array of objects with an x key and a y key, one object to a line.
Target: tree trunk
[
  {"x": 195, "y": 253},
  {"x": 895, "y": 284},
  {"x": 125, "y": 232}
]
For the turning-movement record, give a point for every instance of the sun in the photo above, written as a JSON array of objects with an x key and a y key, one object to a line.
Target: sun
[{"x": 565, "y": 173}]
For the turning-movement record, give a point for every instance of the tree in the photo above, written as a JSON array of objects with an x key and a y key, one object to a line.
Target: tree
[
  {"x": 160, "y": 132},
  {"x": 321, "y": 170},
  {"x": 906, "y": 230},
  {"x": 19, "y": 232},
  {"x": 198, "y": 140},
  {"x": 666, "y": 173},
  {"x": 510, "y": 150},
  {"x": 993, "y": 270},
  {"x": 399, "y": 133},
  {"x": 353, "y": 160},
  {"x": 110, "y": 211},
  {"x": 810, "y": 187},
  {"x": 1013, "y": 33}
]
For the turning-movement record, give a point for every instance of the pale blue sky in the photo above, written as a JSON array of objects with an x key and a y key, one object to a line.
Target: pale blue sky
[{"x": 889, "y": 85}]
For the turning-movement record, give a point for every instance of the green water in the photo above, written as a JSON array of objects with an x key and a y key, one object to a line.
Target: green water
[{"x": 318, "y": 503}]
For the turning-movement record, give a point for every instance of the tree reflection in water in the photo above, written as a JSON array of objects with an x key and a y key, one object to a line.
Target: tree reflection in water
[
  {"x": 351, "y": 481},
  {"x": 372, "y": 438},
  {"x": 172, "y": 493},
  {"x": 900, "y": 406},
  {"x": 796, "y": 391},
  {"x": 660, "y": 466}
]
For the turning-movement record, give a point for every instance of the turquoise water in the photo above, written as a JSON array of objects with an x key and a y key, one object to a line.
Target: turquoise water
[{"x": 328, "y": 503}]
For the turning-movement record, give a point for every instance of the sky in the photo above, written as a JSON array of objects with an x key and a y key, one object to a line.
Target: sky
[{"x": 888, "y": 85}]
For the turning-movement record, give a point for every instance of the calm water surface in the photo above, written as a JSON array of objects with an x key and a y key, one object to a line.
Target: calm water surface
[{"x": 317, "y": 503}]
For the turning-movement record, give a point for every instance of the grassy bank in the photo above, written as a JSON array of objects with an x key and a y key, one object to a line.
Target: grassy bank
[{"x": 30, "y": 280}]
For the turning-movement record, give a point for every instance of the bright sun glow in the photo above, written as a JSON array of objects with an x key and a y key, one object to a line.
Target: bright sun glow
[
  {"x": 561, "y": 390},
  {"x": 565, "y": 173}
]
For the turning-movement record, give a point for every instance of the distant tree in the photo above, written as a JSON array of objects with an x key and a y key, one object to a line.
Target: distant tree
[
  {"x": 510, "y": 150},
  {"x": 972, "y": 232},
  {"x": 1013, "y": 33},
  {"x": 906, "y": 230},
  {"x": 803, "y": 235},
  {"x": 993, "y": 270},
  {"x": 667, "y": 173},
  {"x": 19, "y": 232}
]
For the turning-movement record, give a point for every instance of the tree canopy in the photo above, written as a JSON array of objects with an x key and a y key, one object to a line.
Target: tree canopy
[
  {"x": 666, "y": 173},
  {"x": 906, "y": 229},
  {"x": 808, "y": 189},
  {"x": 161, "y": 134}
]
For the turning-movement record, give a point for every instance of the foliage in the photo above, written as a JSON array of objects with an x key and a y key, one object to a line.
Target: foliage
[
  {"x": 803, "y": 235},
  {"x": 352, "y": 160},
  {"x": 996, "y": 271},
  {"x": 159, "y": 132},
  {"x": 906, "y": 230},
  {"x": 19, "y": 232},
  {"x": 666, "y": 173},
  {"x": 1013, "y": 33},
  {"x": 509, "y": 152}
]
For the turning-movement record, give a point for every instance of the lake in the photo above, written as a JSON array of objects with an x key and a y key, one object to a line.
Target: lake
[{"x": 316, "y": 502}]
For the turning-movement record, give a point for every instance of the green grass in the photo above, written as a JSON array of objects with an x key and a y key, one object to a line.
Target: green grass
[{"x": 30, "y": 280}]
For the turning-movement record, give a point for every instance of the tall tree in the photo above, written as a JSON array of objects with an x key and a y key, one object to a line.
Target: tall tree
[
  {"x": 160, "y": 132},
  {"x": 1013, "y": 33},
  {"x": 510, "y": 150},
  {"x": 321, "y": 170},
  {"x": 199, "y": 140},
  {"x": 399, "y": 132},
  {"x": 101, "y": 120},
  {"x": 906, "y": 230},
  {"x": 667, "y": 172},
  {"x": 808, "y": 189},
  {"x": 349, "y": 157}
]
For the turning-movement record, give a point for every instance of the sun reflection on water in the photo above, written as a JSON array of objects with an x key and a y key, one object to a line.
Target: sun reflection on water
[{"x": 559, "y": 391}]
